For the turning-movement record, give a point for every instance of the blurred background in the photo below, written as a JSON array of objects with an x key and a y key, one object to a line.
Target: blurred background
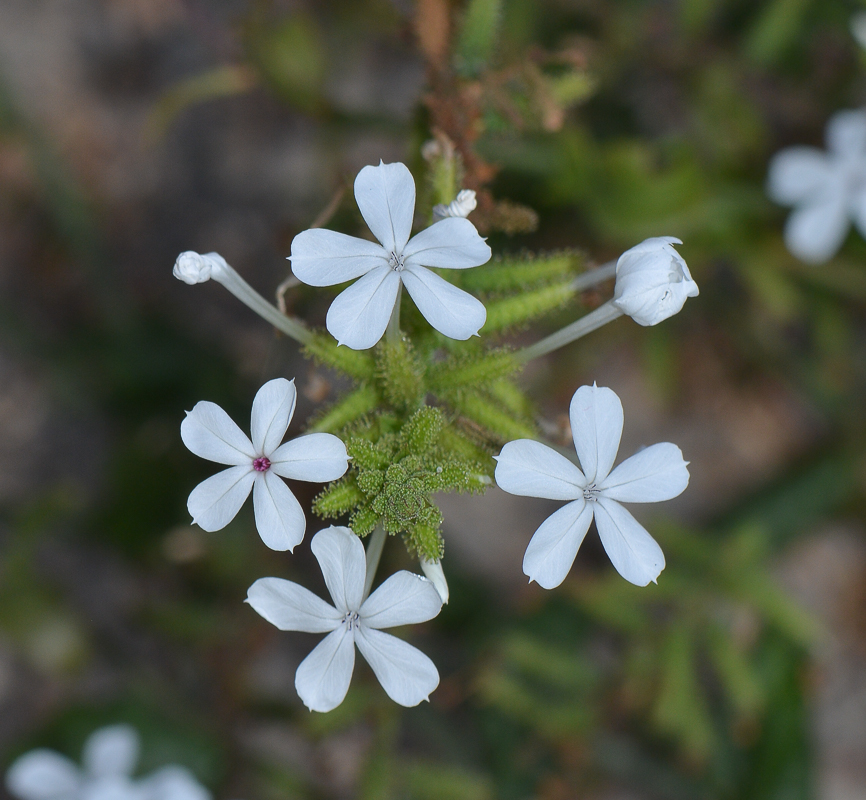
[{"x": 131, "y": 130}]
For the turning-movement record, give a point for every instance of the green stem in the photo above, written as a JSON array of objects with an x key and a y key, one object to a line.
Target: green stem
[
  {"x": 595, "y": 319},
  {"x": 252, "y": 299},
  {"x": 374, "y": 553}
]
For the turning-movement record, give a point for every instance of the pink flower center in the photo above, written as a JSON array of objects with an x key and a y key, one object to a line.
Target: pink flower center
[{"x": 262, "y": 464}]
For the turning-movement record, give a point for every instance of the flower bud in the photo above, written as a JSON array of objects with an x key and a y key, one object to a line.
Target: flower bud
[
  {"x": 436, "y": 576},
  {"x": 192, "y": 267},
  {"x": 652, "y": 281},
  {"x": 462, "y": 206}
]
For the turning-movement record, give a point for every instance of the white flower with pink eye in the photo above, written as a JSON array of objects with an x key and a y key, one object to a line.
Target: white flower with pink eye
[
  {"x": 258, "y": 464},
  {"x": 109, "y": 759},
  {"x": 526, "y": 467},
  {"x": 359, "y": 316},
  {"x": 322, "y": 679},
  {"x": 828, "y": 189}
]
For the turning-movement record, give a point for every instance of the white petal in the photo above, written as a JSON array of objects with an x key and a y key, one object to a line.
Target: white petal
[
  {"x": 814, "y": 233},
  {"x": 450, "y": 310},
  {"x": 111, "y": 751},
  {"x": 533, "y": 469},
  {"x": 554, "y": 545},
  {"x": 386, "y": 198},
  {"x": 212, "y": 434},
  {"x": 214, "y": 503},
  {"x": 292, "y": 607},
  {"x": 451, "y": 243},
  {"x": 436, "y": 575},
  {"x": 173, "y": 783},
  {"x": 316, "y": 457},
  {"x": 344, "y": 564},
  {"x": 113, "y": 787},
  {"x": 632, "y": 551},
  {"x": 406, "y": 674},
  {"x": 273, "y": 407},
  {"x": 43, "y": 775},
  {"x": 359, "y": 315},
  {"x": 796, "y": 174},
  {"x": 846, "y": 133},
  {"x": 280, "y": 519},
  {"x": 857, "y": 205},
  {"x": 596, "y": 426},
  {"x": 403, "y": 599},
  {"x": 323, "y": 677},
  {"x": 322, "y": 258},
  {"x": 653, "y": 474}
]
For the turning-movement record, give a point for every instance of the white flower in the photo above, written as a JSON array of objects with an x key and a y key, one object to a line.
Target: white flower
[
  {"x": 323, "y": 677},
  {"x": 652, "y": 281},
  {"x": 462, "y": 206},
  {"x": 360, "y": 314},
  {"x": 525, "y": 467},
  {"x": 255, "y": 465},
  {"x": 109, "y": 758},
  {"x": 191, "y": 267},
  {"x": 828, "y": 189}
]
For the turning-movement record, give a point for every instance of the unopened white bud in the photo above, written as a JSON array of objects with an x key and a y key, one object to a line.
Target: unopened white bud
[
  {"x": 192, "y": 267},
  {"x": 462, "y": 206},
  {"x": 652, "y": 281},
  {"x": 434, "y": 573}
]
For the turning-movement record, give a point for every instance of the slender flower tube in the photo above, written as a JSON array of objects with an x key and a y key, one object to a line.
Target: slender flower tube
[
  {"x": 191, "y": 267},
  {"x": 109, "y": 759},
  {"x": 322, "y": 679},
  {"x": 652, "y": 281},
  {"x": 436, "y": 575},
  {"x": 257, "y": 464},
  {"x": 532, "y": 469},
  {"x": 359, "y": 315}
]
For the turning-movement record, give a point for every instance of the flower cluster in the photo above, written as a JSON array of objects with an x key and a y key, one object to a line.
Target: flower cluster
[
  {"x": 401, "y": 449},
  {"x": 109, "y": 759}
]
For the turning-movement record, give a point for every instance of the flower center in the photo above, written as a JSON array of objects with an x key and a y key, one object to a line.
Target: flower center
[
  {"x": 352, "y": 619},
  {"x": 262, "y": 464},
  {"x": 396, "y": 262},
  {"x": 591, "y": 493}
]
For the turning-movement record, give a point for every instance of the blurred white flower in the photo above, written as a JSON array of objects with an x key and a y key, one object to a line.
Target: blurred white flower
[
  {"x": 858, "y": 27},
  {"x": 828, "y": 189},
  {"x": 109, "y": 759},
  {"x": 191, "y": 267},
  {"x": 529, "y": 468},
  {"x": 359, "y": 315},
  {"x": 652, "y": 281},
  {"x": 462, "y": 206},
  {"x": 322, "y": 679},
  {"x": 258, "y": 464}
]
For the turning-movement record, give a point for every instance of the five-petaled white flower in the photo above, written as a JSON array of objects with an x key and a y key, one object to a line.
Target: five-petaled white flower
[
  {"x": 359, "y": 315},
  {"x": 652, "y": 281},
  {"x": 829, "y": 189},
  {"x": 525, "y": 467},
  {"x": 255, "y": 465},
  {"x": 322, "y": 679},
  {"x": 109, "y": 758}
]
